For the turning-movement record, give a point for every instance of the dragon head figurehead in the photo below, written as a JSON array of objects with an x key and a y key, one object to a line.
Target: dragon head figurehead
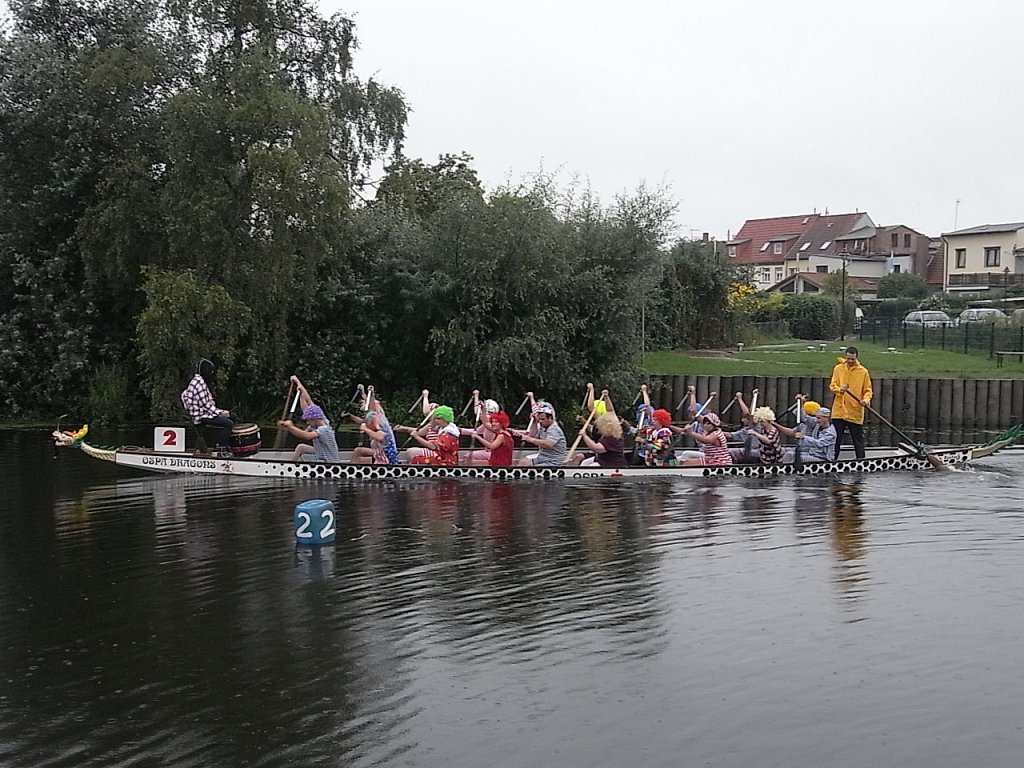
[{"x": 68, "y": 438}]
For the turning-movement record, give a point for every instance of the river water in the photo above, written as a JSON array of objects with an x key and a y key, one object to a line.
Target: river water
[{"x": 818, "y": 621}]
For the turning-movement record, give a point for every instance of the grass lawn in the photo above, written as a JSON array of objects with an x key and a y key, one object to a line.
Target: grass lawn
[{"x": 792, "y": 358}]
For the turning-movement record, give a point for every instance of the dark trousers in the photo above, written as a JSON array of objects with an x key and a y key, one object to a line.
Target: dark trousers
[
  {"x": 223, "y": 425},
  {"x": 856, "y": 435}
]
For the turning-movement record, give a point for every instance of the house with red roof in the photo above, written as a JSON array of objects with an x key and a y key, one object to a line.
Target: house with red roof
[{"x": 777, "y": 247}]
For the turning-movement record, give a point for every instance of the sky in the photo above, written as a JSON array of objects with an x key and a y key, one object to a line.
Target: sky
[{"x": 741, "y": 109}]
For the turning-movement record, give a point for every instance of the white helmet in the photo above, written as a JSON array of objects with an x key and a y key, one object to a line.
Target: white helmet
[{"x": 491, "y": 406}]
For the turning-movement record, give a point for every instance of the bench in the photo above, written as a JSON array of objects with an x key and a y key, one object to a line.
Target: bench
[{"x": 1000, "y": 356}]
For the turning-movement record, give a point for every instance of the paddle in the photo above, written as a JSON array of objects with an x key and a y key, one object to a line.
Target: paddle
[
  {"x": 696, "y": 417},
  {"x": 422, "y": 424},
  {"x": 533, "y": 410},
  {"x": 586, "y": 424},
  {"x": 425, "y": 399},
  {"x": 792, "y": 409},
  {"x": 468, "y": 403},
  {"x": 647, "y": 405},
  {"x": 690, "y": 392},
  {"x": 728, "y": 407},
  {"x": 920, "y": 452},
  {"x": 419, "y": 400},
  {"x": 528, "y": 398},
  {"x": 279, "y": 438}
]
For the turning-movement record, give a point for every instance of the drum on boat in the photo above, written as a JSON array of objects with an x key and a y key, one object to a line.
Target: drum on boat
[{"x": 245, "y": 439}]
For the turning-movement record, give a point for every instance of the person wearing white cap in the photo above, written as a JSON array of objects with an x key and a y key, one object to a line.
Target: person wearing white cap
[
  {"x": 815, "y": 436},
  {"x": 547, "y": 436},
  {"x": 481, "y": 457}
]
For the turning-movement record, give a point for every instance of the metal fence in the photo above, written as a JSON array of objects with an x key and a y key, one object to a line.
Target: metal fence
[{"x": 969, "y": 338}]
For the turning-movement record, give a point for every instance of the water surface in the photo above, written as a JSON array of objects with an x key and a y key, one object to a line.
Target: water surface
[{"x": 797, "y": 621}]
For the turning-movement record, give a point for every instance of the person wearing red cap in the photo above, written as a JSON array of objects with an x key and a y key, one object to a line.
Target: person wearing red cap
[
  {"x": 499, "y": 448},
  {"x": 658, "y": 442},
  {"x": 482, "y": 457}
]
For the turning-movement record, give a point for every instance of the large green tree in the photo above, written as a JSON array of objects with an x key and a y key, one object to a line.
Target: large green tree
[
  {"x": 227, "y": 137},
  {"x": 75, "y": 81}
]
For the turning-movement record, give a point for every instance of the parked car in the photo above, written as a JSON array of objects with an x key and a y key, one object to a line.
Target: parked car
[
  {"x": 983, "y": 315},
  {"x": 929, "y": 318}
]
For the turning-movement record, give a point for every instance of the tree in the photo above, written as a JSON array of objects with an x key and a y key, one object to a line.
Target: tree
[
  {"x": 74, "y": 86},
  {"x": 185, "y": 319},
  {"x": 226, "y": 137},
  {"x": 263, "y": 152},
  {"x": 694, "y": 306}
]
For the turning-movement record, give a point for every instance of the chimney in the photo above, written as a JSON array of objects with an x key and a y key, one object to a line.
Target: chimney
[{"x": 705, "y": 238}]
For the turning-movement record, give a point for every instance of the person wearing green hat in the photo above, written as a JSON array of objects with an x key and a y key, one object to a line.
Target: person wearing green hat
[{"x": 443, "y": 450}]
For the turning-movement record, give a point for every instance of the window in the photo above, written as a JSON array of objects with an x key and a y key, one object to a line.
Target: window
[
  {"x": 895, "y": 269},
  {"x": 825, "y": 245},
  {"x": 906, "y": 239},
  {"x": 732, "y": 250},
  {"x": 961, "y": 258},
  {"x": 779, "y": 274},
  {"x": 992, "y": 257},
  {"x": 895, "y": 239},
  {"x": 821, "y": 269},
  {"x": 766, "y": 274},
  {"x": 765, "y": 247},
  {"x": 804, "y": 247},
  {"x": 778, "y": 249}
]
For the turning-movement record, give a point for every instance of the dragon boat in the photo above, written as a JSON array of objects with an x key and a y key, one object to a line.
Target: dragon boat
[{"x": 278, "y": 464}]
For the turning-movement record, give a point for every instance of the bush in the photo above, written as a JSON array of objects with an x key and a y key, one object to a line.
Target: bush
[
  {"x": 897, "y": 285},
  {"x": 951, "y": 305},
  {"x": 812, "y": 317},
  {"x": 108, "y": 399},
  {"x": 893, "y": 310}
]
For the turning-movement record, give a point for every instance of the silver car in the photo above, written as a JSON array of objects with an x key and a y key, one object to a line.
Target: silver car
[
  {"x": 928, "y": 318},
  {"x": 983, "y": 315}
]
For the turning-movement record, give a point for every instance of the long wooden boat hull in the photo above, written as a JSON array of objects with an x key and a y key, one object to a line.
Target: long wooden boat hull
[{"x": 271, "y": 464}]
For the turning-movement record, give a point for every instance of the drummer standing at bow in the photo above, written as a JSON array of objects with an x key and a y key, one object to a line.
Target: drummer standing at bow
[{"x": 851, "y": 385}]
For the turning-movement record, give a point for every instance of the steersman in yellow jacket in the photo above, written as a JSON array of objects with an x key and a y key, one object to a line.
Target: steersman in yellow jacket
[{"x": 851, "y": 385}]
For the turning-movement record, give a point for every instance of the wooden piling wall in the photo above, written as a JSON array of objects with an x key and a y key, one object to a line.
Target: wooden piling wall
[{"x": 934, "y": 404}]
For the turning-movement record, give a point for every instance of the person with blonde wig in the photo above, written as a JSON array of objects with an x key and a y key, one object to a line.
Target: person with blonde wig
[
  {"x": 769, "y": 437},
  {"x": 609, "y": 451}
]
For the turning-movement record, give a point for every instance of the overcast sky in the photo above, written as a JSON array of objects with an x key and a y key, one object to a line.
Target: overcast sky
[{"x": 744, "y": 109}]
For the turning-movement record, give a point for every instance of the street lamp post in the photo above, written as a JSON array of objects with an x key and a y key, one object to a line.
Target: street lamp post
[{"x": 842, "y": 302}]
